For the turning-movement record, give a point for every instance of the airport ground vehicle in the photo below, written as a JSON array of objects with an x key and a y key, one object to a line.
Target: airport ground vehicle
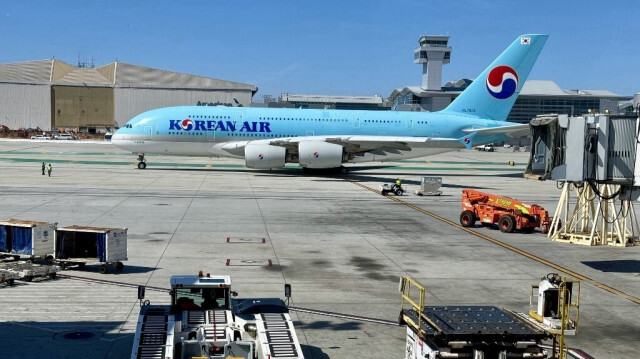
[
  {"x": 26, "y": 238},
  {"x": 203, "y": 321},
  {"x": 482, "y": 331},
  {"x": 487, "y": 148},
  {"x": 508, "y": 213},
  {"x": 81, "y": 245},
  {"x": 64, "y": 136},
  {"x": 40, "y": 137},
  {"x": 387, "y": 188}
]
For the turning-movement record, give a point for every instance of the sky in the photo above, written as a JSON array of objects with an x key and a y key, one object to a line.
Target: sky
[{"x": 348, "y": 47}]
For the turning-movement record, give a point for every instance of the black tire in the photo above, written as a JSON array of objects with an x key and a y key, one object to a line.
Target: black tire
[
  {"x": 16, "y": 258},
  {"x": 507, "y": 223},
  {"x": 384, "y": 192},
  {"x": 142, "y": 165},
  {"x": 11, "y": 282},
  {"x": 28, "y": 278},
  {"x": 49, "y": 259},
  {"x": 399, "y": 192},
  {"x": 344, "y": 170},
  {"x": 81, "y": 265},
  {"x": 53, "y": 275},
  {"x": 119, "y": 266},
  {"x": 467, "y": 219},
  {"x": 103, "y": 269}
]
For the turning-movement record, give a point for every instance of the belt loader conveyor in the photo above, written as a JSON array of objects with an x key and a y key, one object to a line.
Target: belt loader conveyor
[{"x": 203, "y": 321}]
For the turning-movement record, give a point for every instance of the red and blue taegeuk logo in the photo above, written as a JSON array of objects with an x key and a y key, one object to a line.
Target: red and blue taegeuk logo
[
  {"x": 186, "y": 124},
  {"x": 316, "y": 155},
  {"x": 502, "y": 82}
]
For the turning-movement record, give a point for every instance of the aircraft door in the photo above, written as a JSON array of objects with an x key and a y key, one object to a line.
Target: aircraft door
[
  {"x": 211, "y": 135},
  {"x": 408, "y": 125}
]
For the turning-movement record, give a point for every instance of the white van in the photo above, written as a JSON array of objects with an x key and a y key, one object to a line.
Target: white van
[{"x": 64, "y": 136}]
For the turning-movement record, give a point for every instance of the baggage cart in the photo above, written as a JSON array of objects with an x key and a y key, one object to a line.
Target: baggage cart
[
  {"x": 26, "y": 238},
  {"x": 81, "y": 245},
  {"x": 28, "y": 271}
]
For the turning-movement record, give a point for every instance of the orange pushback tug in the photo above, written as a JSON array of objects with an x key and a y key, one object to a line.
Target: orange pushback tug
[{"x": 508, "y": 213}]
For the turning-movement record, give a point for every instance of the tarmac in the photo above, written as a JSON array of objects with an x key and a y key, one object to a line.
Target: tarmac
[{"x": 341, "y": 245}]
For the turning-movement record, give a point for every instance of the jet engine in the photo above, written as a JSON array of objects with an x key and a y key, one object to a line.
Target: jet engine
[
  {"x": 318, "y": 154},
  {"x": 263, "y": 156}
]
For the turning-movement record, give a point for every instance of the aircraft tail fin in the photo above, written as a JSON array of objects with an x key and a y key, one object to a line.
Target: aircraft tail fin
[{"x": 493, "y": 93}]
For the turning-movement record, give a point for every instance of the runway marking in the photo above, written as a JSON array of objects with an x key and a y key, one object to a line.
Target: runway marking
[{"x": 509, "y": 247}]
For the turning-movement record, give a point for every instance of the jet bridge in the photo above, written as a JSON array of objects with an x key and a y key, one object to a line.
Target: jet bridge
[{"x": 594, "y": 160}]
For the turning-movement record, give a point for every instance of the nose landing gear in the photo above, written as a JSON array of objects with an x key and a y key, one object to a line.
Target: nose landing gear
[{"x": 142, "y": 163}]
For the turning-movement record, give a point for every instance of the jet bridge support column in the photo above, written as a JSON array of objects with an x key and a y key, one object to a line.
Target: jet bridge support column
[{"x": 594, "y": 219}]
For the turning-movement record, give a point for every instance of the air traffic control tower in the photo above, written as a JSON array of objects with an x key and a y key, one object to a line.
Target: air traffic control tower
[{"x": 432, "y": 53}]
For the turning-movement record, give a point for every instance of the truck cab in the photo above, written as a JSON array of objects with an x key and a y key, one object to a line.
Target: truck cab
[{"x": 190, "y": 292}]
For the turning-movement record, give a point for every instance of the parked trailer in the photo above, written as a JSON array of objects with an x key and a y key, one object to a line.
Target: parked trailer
[
  {"x": 81, "y": 245},
  {"x": 29, "y": 271},
  {"x": 26, "y": 238},
  {"x": 7, "y": 277}
]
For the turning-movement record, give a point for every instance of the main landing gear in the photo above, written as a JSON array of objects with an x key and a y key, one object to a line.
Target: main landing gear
[{"x": 142, "y": 163}]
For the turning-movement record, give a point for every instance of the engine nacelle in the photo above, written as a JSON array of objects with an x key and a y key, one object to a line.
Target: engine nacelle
[
  {"x": 318, "y": 154},
  {"x": 263, "y": 156}
]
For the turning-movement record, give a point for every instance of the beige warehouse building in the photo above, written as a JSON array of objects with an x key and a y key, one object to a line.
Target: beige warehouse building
[{"x": 51, "y": 94}]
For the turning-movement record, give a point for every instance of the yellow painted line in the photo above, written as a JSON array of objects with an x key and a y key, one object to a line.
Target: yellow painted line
[{"x": 509, "y": 247}]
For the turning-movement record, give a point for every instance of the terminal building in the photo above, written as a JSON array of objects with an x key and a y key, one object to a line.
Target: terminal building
[{"x": 51, "y": 94}]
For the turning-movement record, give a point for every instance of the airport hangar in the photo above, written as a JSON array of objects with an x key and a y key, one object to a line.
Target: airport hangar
[{"x": 51, "y": 94}]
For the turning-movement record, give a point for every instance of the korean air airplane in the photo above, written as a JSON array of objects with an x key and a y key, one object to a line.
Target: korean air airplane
[{"x": 269, "y": 138}]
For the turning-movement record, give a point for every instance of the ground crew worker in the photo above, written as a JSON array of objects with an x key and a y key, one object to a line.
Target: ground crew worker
[
  {"x": 43, "y": 168},
  {"x": 49, "y": 169},
  {"x": 398, "y": 182}
]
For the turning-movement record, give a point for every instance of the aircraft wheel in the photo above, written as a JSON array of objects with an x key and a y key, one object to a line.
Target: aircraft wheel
[
  {"x": 344, "y": 170},
  {"x": 142, "y": 165},
  {"x": 507, "y": 223},
  {"x": 467, "y": 218}
]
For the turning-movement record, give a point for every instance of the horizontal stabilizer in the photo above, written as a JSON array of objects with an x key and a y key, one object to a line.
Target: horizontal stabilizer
[{"x": 511, "y": 131}]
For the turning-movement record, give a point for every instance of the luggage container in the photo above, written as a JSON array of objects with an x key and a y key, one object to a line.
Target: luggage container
[
  {"x": 28, "y": 238},
  {"x": 80, "y": 245}
]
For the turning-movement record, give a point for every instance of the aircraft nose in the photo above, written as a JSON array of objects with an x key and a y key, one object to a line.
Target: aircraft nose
[{"x": 118, "y": 136}]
